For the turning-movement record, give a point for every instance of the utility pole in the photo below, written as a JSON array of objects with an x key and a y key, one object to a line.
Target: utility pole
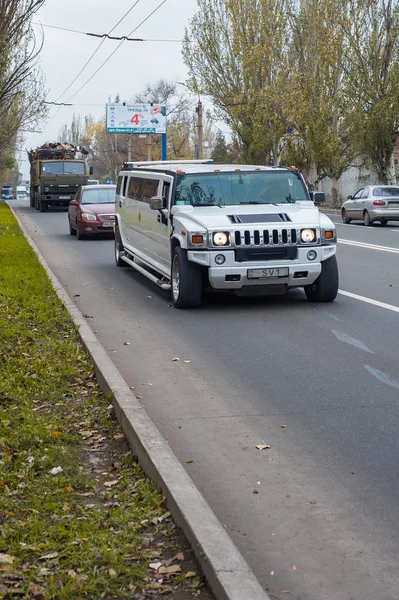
[
  {"x": 149, "y": 147},
  {"x": 198, "y": 110},
  {"x": 129, "y": 148}
]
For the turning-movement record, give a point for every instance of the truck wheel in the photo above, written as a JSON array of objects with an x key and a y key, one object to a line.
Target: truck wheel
[
  {"x": 186, "y": 281},
  {"x": 42, "y": 205},
  {"x": 118, "y": 248},
  {"x": 325, "y": 288}
]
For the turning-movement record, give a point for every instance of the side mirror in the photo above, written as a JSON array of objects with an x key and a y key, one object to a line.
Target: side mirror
[
  {"x": 73, "y": 203},
  {"x": 318, "y": 197},
  {"x": 350, "y": 198},
  {"x": 91, "y": 170},
  {"x": 157, "y": 203}
]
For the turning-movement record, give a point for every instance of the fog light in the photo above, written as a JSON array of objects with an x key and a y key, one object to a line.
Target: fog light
[
  {"x": 220, "y": 259},
  {"x": 312, "y": 255}
]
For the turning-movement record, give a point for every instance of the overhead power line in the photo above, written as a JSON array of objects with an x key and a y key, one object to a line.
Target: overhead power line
[
  {"x": 106, "y": 35},
  {"x": 97, "y": 49},
  {"x": 116, "y": 49}
]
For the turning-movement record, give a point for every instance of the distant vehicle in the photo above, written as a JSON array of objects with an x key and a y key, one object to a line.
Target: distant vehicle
[
  {"x": 21, "y": 192},
  {"x": 92, "y": 211},
  {"x": 7, "y": 193},
  {"x": 93, "y": 182},
  {"x": 192, "y": 225},
  {"x": 372, "y": 203},
  {"x": 56, "y": 173}
]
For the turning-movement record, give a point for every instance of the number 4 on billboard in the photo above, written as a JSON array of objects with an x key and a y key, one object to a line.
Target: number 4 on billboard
[{"x": 135, "y": 119}]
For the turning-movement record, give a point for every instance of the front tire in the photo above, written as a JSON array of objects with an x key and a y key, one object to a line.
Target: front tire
[
  {"x": 325, "y": 288},
  {"x": 72, "y": 230},
  {"x": 345, "y": 218},
  {"x": 186, "y": 281},
  {"x": 367, "y": 219},
  {"x": 118, "y": 248},
  {"x": 384, "y": 222},
  {"x": 42, "y": 206}
]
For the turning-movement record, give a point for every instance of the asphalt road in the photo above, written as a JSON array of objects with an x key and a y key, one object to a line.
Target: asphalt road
[{"x": 316, "y": 515}]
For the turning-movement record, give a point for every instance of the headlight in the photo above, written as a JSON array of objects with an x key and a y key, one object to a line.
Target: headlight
[
  {"x": 308, "y": 235},
  {"x": 88, "y": 217},
  {"x": 220, "y": 238}
]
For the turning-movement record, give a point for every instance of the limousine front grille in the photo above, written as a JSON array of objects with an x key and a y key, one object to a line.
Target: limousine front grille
[{"x": 265, "y": 237}]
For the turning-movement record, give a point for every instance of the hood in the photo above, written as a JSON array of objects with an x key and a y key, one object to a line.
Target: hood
[
  {"x": 99, "y": 209},
  {"x": 264, "y": 215}
]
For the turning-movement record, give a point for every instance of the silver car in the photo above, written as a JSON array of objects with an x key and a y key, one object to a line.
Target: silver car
[{"x": 372, "y": 203}]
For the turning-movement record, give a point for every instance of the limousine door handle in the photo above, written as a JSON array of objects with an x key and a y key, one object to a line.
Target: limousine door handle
[{"x": 162, "y": 217}]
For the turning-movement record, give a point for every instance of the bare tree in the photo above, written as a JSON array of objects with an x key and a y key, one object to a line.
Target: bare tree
[{"x": 22, "y": 89}]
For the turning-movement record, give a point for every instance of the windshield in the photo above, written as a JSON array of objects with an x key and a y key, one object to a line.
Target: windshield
[
  {"x": 6, "y": 190},
  {"x": 64, "y": 168},
  {"x": 240, "y": 187},
  {"x": 101, "y": 196},
  {"x": 392, "y": 191}
]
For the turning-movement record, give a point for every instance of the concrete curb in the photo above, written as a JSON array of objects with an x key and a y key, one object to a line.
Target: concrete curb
[{"x": 224, "y": 567}]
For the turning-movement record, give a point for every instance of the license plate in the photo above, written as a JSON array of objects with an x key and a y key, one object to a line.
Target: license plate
[
  {"x": 65, "y": 197},
  {"x": 267, "y": 273},
  {"x": 108, "y": 224}
]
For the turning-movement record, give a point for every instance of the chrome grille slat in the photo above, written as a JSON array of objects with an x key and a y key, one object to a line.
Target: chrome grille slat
[{"x": 265, "y": 237}]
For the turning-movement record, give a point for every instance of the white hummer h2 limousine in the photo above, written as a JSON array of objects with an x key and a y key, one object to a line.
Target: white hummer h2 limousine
[{"x": 193, "y": 225}]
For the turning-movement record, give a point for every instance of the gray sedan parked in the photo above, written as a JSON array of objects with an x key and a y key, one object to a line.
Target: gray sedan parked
[{"x": 372, "y": 203}]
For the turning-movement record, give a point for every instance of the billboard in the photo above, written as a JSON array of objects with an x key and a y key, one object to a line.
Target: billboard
[{"x": 136, "y": 118}]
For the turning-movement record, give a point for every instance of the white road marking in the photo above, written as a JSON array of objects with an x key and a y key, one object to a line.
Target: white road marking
[
  {"x": 369, "y": 246},
  {"x": 342, "y": 337},
  {"x": 370, "y": 301},
  {"x": 383, "y": 377}
]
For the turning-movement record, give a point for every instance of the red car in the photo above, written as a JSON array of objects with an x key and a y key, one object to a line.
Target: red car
[{"x": 92, "y": 211}]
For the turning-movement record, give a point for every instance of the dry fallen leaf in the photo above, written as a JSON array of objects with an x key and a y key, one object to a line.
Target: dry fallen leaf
[
  {"x": 272, "y": 573},
  {"x": 48, "y": 556},
  {"x": 294, "y": 568},
  {"x": 111, "y": 573},
  {"x": 155, "y": 565},
  {"x": 72, "y": 573},
  {"x": 175, "y": 359},
  {"x": 7, "y": 559},
  {"x": 189, "y": 461},
  {"x": 191, "y": 574},
  {"x": 170, "y": 570},
  {"x": 110, "y": 483},
  {"x": 179, "y": 556},
  {"x": 187, "y": 361},
  {"x": 119, "y": 436},
  {"x": 263, "y": 446},
  {"x": 126, "y": 343},
  {"x": 283, "y": 426}
]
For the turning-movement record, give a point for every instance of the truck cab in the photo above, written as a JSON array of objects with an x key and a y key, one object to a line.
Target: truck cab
[{"x": 54, "y": 182}]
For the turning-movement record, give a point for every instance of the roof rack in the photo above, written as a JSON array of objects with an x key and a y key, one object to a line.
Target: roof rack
[{"x": 150, "y": 163}]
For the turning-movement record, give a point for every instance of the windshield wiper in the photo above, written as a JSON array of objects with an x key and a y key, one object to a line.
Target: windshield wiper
[{"x": 217, "y": 205}]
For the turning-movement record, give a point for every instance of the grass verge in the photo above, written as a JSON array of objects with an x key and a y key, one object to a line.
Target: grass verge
[{"x": 78, "y": 519}]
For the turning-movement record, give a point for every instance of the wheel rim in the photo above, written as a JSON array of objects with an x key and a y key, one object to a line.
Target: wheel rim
[
  {"x": 116, "y": 250},
  {"x": 366, "y": 218},
  {"x": 344, "y": 215},
  {"x": 175, "y": 278}
]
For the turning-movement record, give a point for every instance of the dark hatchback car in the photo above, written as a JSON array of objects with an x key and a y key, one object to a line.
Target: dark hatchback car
[{"x": 92, "y": 211}]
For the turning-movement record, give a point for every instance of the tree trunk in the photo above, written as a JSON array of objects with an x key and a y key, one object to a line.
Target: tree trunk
[
  {"x": 312, "y": 175},
  {"x": 391, "y": 176},
  {"x": 335, "y": 200}
]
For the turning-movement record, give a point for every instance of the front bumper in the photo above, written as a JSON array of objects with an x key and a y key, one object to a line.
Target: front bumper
[
  {"x": 390, "y": 214},
  {"x": 301, "y": 271}
]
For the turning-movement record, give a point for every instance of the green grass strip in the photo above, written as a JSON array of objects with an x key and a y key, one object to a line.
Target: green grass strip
[{"x": 78, "y": 519}]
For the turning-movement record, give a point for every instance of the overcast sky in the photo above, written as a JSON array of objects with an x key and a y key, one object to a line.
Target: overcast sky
[{"x": 131, "y": 67}]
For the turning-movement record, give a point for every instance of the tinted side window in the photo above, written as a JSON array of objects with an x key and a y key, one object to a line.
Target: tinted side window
[
  {"x": 125, "y": 184},
  {"x": 135, "y": 187},
  {"x": 150, "y": 189},
  {"x": 119, "y": 184}
]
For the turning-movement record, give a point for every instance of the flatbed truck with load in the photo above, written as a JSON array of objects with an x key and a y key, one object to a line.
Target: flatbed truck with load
[{"x": 56, "y": 173}]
